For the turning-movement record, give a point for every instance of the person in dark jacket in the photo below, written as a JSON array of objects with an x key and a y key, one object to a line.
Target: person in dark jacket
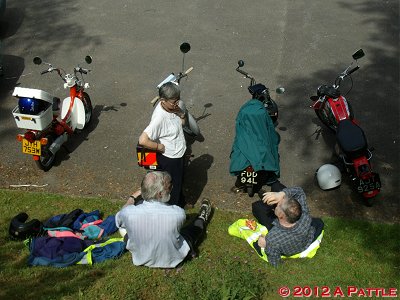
[{"x": 255, "y": 144}]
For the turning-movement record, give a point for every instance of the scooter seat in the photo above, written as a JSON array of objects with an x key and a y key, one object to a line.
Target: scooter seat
[{"x": 351, "y": 137}]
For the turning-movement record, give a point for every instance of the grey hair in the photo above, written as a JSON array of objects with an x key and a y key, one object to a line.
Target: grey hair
[
  {"x": 292, "y": 209},
  {"x": 169, "y": 90},
  {"x": 155, "y": 185}
]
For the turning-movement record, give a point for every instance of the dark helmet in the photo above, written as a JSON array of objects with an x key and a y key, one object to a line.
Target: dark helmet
[
  {"x": 258, "y": 91},
  {"x": 21, "y": 230},
  {"x": 31, "y": 106}
]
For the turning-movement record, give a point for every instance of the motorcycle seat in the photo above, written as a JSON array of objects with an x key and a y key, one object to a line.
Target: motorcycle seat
[{"x": 351, "y": 137}]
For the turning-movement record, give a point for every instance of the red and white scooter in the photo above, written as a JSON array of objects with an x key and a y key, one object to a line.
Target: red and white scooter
[{"x": 47, "y": 120}]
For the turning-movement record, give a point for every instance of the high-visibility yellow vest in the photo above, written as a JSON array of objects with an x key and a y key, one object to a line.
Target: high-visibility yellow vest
[{"x": 241, "y": 230}]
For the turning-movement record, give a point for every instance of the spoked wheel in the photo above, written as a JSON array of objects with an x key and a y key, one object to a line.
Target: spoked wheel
[
  {"x": 87, "y": 103},
  {"x": 323, "y": 117},
  {"x": 46, "y": 159}
]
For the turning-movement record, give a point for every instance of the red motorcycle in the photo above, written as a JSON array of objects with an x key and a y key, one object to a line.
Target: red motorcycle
[{"x": 334, "y": 111}]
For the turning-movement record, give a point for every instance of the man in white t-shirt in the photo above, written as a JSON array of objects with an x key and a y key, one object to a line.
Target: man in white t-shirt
[
  {"x": 165, "y": 135},
  {"x": 154, "y": 232}
]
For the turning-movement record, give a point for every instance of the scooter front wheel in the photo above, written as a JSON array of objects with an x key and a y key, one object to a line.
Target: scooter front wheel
[
  {"x": 46, "y": 159},
  {"x": 191, "y": 128},
  {"x": 87, "y": 103}
]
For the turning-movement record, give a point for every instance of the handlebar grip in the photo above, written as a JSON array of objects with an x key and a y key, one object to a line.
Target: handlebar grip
[
  {"x": 353, "y": 70},
  {"x": 188, "y": 70},
  {"x": 44, "y": 72},
  {"x": 242, "y": 72},
  {"x": 155, "y": 99}
]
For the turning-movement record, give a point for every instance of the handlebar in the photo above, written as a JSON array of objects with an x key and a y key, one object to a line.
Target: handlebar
[
  {"x": 81, "y": 70},
  {"x": 188, "y": 71},
  {"x": 176, "y": 80},
  {"x": 353, "y": 70},
  {"x": 247, "y": 75},
  {"x": 343, "y": 75},
  {"x": 242, "y": 72},
  {"x": 155, "y": 99},
  {"x": 181, "y": 75}
]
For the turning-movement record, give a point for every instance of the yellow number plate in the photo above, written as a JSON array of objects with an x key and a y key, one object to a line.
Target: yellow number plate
[{"x": 31, "y": 148}]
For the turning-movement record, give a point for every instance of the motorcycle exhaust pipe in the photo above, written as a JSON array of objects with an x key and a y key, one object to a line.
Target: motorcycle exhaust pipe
[{"x": 57, "y": 143}]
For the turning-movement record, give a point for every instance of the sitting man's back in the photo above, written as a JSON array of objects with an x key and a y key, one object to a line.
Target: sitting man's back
[
  {"x": 153, "y": 227},
  {"x": 154, "y": 239}
]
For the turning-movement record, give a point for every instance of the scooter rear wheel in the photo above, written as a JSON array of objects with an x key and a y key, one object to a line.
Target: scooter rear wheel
[
  {"x": 250, "y": 190},
  {"x": 46, "y": 160}
]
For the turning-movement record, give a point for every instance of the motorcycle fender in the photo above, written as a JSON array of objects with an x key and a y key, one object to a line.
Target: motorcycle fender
[
  {"x": 339, "y": 108},
  {"x": 77, "y": 118}
]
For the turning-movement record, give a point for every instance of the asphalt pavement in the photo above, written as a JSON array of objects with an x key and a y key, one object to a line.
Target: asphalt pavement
[{"x": 135, "y": 44}]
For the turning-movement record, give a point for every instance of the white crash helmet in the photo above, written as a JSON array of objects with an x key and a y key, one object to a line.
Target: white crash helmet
[{"x": 328, "y": 177}]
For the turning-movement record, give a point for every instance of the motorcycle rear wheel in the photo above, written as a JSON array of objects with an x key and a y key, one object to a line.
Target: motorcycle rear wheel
[
  {"x": 46, "y": 160},
  {"x": 369, "y": 201}
]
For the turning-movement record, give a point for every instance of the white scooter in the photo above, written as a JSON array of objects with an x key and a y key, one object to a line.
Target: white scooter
[
  {"x": 47, "y": 125},
  {"x": 147, "y": 158},
  {"x": 190, "y": 127}
]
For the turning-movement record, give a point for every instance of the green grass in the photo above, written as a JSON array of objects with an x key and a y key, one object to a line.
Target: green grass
[{"x": 353, "y": 253}]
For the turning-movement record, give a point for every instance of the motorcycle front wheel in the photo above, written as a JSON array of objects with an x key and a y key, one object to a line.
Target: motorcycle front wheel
[
  {"x": 46, "y": 159},
  {"x": 324, "y": 118}
]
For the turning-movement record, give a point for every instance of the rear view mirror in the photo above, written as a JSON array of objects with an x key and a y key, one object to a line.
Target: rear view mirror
[
  {"x": 88, "y": 59},
  {"x": 280, "y": 90},
  {"x": 358, "y": 54},
  {"x": 241, "y": 63},
  {"x": 185, "y": 47},
  {"x": 37, "y": 60}
]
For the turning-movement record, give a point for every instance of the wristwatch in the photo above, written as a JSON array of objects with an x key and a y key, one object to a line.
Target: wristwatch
[{"x": 136, "y": 200}]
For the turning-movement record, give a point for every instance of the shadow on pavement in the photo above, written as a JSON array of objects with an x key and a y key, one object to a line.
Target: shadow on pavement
[{"x": 196, "y": 177}]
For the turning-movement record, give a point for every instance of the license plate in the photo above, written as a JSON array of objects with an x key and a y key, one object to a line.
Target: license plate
[
  {"x": 370, "y": 184},
  {"x": 248, "y": 177},
  {"x": 31, "y": 148}
]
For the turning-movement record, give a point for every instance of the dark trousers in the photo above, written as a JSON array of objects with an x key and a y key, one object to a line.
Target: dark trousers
[
  {"x": 193, "y": 234},
  {"x": 264, "y": 213},
  {"x": 174, "y": 166}
]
